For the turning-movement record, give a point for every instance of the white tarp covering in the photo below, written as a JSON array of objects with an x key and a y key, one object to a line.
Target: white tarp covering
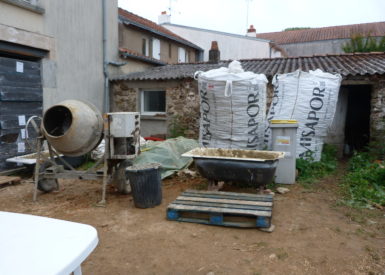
[
  {"x": 233, "y": 108},
  {"x": 311, "y": 99}
]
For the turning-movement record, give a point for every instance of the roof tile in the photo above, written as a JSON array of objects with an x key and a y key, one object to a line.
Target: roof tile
[{"x": 344, "y": 64}]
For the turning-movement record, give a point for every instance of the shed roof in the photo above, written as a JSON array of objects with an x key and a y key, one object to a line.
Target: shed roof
[
  {"x": 344, "y": 64},
  {"x": 326, "y": 33},
  {"x": 130, "y": 18}
]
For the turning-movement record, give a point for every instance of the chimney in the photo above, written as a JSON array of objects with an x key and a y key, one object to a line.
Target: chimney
[
  {"x": 214, "y": 53},
  {"x": 251, "y": 32},
  {"x": 164, "y": 18}
]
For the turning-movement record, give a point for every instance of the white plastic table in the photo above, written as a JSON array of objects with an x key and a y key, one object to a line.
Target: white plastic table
[{"x": 37, "y": 245}]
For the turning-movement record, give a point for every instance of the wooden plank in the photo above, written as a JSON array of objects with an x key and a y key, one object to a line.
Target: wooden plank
[
  {"x": 9, "y": 180},
  {"x": 12, "y": 171},
  {"x": 223, "y": 205},
  {"x": 224, "y": 223},
  {"x": 229, "y": 193},
  {"x": 20, "y": 80},
  {"x": 232, "y": 197},
  {"x": 227, "y": 201},
  {"x": 20, "y": 108},
  {"x": 12, "y": 121},
  {"x": 9, "y": 65},
  {"x": 227, "y": 197},
  {"x": 21, "y": 94},
  {"x": 219, "y": 210}
]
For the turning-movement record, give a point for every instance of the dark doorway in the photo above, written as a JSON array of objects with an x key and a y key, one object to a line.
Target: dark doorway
[{"x": 357, "y": 127}]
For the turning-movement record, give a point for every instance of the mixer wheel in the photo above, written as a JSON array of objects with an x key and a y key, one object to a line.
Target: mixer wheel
[
  {"x": 47, "y": 185},
  {"x": 121, "y": 180}
]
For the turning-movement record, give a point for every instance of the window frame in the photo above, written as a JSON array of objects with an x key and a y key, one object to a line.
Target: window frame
[{"x": 146, "y": 113}]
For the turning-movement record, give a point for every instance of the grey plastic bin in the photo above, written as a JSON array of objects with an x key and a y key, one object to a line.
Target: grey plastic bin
[{"x": 146, "y": 184}]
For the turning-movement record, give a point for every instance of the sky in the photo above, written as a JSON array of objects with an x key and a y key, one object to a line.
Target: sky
[{"x": 234, "y": 16}]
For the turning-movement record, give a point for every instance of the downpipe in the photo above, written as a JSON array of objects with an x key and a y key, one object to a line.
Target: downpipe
[{"x": 106, "y": 107}]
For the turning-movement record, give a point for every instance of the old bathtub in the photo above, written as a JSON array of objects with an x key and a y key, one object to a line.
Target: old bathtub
[{"x": 252, "y": 167}]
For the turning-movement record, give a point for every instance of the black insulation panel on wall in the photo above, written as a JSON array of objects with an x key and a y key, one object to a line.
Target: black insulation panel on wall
[{"x": 21, "y": 96}]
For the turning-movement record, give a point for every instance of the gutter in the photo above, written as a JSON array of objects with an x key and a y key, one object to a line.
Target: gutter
[{"x": 145, "y": 59}]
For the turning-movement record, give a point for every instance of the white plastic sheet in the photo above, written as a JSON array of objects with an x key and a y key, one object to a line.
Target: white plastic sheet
[
  {"x": 233, "y": 108},
  {"x": 311, "y": 98}
]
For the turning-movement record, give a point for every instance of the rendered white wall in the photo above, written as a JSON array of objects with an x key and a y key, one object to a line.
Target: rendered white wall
[
  {"x": 231, "y": 47},
  {"x": 71, "y": 32}
]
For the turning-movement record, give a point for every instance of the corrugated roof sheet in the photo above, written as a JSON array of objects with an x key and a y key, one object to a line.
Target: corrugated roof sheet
[
  {"x": 153, "y": 27},
  {"x": 344, "y": 64},
  {"x": 326, "y": 33}
]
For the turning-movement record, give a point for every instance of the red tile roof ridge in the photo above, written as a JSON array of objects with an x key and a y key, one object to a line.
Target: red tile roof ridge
[
  {"x": 311, "y": 56},
  {"x": 327, "y": 27},
  {"x": 324, "y": 33}
]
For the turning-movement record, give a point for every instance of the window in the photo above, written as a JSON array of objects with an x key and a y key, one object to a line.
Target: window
[
  {"x": 145, "y": 46},
  {"x": 153, "y": 102},
  {"x": 169, "y": 50},
  {"x": 156, "y": 48},
  {"x": 181, "y": 55}
]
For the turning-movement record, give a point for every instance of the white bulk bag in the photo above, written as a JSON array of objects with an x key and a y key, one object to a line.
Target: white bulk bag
[
  {"x": 311, "y": 98},
  {"x": 233, "y": 108}
]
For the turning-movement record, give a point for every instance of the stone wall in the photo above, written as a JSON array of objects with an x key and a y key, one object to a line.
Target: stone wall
[
  {"x": 377, "y": 118},
  {"x": 182, "y": 107},
  {"x": 124, "y": 99}
]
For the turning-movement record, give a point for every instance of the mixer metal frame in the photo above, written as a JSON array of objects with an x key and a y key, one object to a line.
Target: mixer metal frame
[{"x": 111, "y": 159}]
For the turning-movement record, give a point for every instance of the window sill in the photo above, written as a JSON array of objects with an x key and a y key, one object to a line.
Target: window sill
[
  {"x": 154, "y": 117},
  {"x": 25, "y": 5}
]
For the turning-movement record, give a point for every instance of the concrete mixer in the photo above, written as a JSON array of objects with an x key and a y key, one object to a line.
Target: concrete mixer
[{"x": 74, "y": 128}]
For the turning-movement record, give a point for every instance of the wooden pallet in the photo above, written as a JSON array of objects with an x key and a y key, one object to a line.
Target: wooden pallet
[
  {"x": 7, "y": 180},
  {"x": 222, "y": 208}
]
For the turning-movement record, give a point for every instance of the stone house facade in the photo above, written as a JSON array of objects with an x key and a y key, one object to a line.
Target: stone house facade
[{"x": 359, "y": 119}]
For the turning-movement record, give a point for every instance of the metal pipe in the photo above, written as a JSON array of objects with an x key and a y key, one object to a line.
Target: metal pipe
[{"x": 105, "y": 60}]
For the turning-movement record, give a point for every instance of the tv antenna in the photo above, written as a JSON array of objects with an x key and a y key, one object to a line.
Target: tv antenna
[
  {"x": 170, "y": 8},
  {"x": 247, "y": 12}
]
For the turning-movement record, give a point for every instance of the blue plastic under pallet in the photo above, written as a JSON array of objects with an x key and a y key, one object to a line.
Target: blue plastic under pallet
[{"x": 222, "y": 208}]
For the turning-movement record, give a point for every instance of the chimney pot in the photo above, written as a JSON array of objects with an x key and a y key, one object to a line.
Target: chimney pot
[
  {"x": 164, "y": 18},
  {"x": 214, "y": 45},
  {"x": 214, "y": 53},
  {"x": 251, "y": 31}
]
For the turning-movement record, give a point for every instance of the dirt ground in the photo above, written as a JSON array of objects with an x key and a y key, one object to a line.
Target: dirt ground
[{"x": 314, "y": 234}]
